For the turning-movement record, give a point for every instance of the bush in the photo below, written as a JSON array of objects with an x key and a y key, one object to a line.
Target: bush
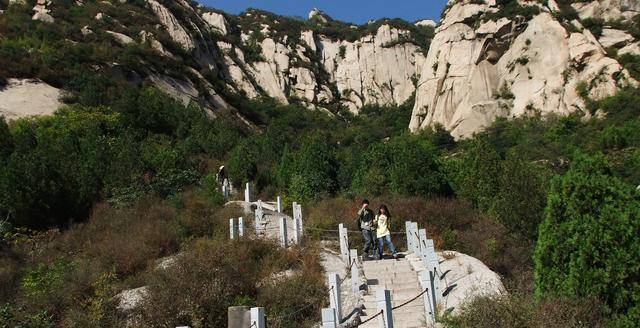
[
  {"x": 587, "y": 244},
  {"x": 242, "y": 165}
]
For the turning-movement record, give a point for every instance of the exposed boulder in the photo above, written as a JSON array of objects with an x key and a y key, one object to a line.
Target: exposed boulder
[
  {"x": 426, "y": 22},
  {"x": 121, "y": 38},
  {"x": 614, "y": 38},
  {"x": 216, "y": 21},
  {"x": 41, "y": 12},
  {"x": 318, "y": 14},
  {"x": 129, "y": 300},
  {"x": 25, "y": 97},
  {"x": 507, "y": 68}
]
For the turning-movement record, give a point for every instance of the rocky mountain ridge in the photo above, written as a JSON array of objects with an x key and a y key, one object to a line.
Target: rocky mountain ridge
[
  {"x": 256, "y": 53},
  {"x": 487, "y": 59}
]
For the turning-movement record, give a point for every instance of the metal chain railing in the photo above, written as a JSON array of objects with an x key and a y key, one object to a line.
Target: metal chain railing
[
  {"x": 373, "y": 317},
  {"x": 411, "y": 300}
]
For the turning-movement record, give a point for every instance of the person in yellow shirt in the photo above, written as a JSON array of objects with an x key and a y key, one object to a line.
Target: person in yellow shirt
[{"x": 383, "y": 233}]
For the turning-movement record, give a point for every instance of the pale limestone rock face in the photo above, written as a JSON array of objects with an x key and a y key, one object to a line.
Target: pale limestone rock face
[
  {"x": 372, "y": 71},
  {"x": 155, "y": 44},
  {"x": 182, "y": 90},
  {"x": 177, "y": 32},
  {"x": 41, "y": 13},
  {"x": 217, "y": 21},
  {"x": 607, "y": 9},
  {"x": 613, "y": 38},
  {"x": 466, "y": 68},
  {"x": 270, "y": 75},
  {"x": 632, "y": 48},
  {"x": 426, "y": 22},
  {"x": 24, "y": 97},
  {"x": 121, "y": 38}
]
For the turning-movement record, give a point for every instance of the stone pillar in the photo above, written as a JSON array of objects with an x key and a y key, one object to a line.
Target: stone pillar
[
  {"x": 297, "y": 215},
  {"x": 383, "y": 298},
  {"x": 233, "y": 229},
  {"x": 257, "y": 317},
  {"x": 428, "y": 297},
  {"x": 240, "y": 226},
  {"x": 238, "y": 317},
  {"x": 329, "y": 318},
  {"x": 259, "y": 215},
  {"x": 422, "y": 234},
  {"x": 296, "y": 231},
  {"x": 408, "y": 231},
  {"x": 344, "y": 243},
  {"x": 415, "y": 238},
  {"x": 225, "y": 188},
  {"x": 334, "y": 295},
  {"x": 247, "y": 192},
  {"x": 279, "y": 204},
  {"x": 283, "y": 232},
  {"x": 355, "y": 274},
  {"x": 432, "y": 257}
]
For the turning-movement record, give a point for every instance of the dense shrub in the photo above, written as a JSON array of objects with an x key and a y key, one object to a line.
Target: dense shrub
[{"x": 588, "y": 245}]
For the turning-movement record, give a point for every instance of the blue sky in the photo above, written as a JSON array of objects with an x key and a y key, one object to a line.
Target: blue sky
[{"x": 356, "y": 11}]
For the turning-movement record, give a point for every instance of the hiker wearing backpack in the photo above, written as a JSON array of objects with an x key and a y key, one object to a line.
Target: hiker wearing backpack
[{"x": 366, "y": 225}]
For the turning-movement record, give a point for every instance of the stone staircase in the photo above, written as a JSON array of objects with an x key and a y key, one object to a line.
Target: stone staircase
[{"x": 399, "y": 277}]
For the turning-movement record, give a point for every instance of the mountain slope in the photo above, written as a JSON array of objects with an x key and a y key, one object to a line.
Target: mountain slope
[{"x": 211, "y": 58}]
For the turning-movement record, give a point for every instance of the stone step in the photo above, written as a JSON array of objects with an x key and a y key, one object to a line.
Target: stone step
[{"x": 393, "y": 285}]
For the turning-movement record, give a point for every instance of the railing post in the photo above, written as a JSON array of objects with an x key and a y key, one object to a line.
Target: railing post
[
  {"x": 334, "y": 295},
  {"x": 225, "y": 188},
  {"x": 383, "y": 298},
  {"x": 432, "y": 257},
  {"x": 407, "y": 229},
  {"x": 422, "y": 235},
  {"x": 355, "y": 274},
  {"x": 247, "y": 192},
  {"x": 283, "y": 232},
  {"x": 297, "y": 215},
  {"x": 429, "y": 306},
  {"x": 296, "y": 231},
  {"x": 344, "y": 243},
  {"x": 233, "y": 229},
  {"x": 279, "y": 204},
  {"x": 257, "y": 317},
  {"x": 329, "y": 318},
  {"x": 259, "y": 214},
  {"x": 415, "y": 239},
  {"x": 240, "y": 226}
]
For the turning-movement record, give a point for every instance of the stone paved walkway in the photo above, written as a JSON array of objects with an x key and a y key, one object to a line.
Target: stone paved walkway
[{"x": 399, "y": 277}]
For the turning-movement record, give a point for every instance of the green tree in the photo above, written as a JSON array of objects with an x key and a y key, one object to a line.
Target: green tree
[
  {"x": 522, "y": 195},
  {"x": 242, "y": 165},
  {"x": 478, "y": 174},
  {"x": 588, "y": 244}
]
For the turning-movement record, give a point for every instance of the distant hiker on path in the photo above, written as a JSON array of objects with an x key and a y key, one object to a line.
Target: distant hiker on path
[
  {"x": 222, "y": 174},
  {"x": 383, "y": 233},
  {"x": 366, "y": 224}
]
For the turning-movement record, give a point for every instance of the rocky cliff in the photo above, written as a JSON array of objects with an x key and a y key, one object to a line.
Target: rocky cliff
[
  {"x": 514, "y": 58},
  {"x": 210, "y": 57}
]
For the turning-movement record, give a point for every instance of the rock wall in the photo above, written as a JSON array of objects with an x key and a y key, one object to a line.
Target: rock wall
[
  {"x": 371, "y": 70},
  {"x": 476, "y": 70}
]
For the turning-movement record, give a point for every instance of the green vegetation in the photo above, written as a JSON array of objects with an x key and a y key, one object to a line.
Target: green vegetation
[{"x": 588, "y": 245}]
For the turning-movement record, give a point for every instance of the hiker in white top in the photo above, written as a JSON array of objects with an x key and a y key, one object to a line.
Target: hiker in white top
[{"x": 383, "y": 233}]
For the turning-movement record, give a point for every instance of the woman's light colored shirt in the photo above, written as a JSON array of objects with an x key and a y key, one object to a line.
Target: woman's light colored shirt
[{"x": 383, "y": 229}]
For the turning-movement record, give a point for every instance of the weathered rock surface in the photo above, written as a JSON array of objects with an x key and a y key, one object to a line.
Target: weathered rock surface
[
  {"x": 607, "y": 9},
  {"x": 172, "y": 25},
  {"x": 216, "y": 21},
  {"x": 506, "y": 68},
  {"x": 612, "y": 38},
  {"x": 24, "y": 97}
]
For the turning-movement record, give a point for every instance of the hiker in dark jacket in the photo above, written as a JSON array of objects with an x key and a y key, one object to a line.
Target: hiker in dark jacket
[{"x": 366, "y": 219}]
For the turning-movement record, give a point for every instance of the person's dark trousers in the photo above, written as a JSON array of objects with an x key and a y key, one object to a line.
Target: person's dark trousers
[{"x": 368, "y": 238}]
